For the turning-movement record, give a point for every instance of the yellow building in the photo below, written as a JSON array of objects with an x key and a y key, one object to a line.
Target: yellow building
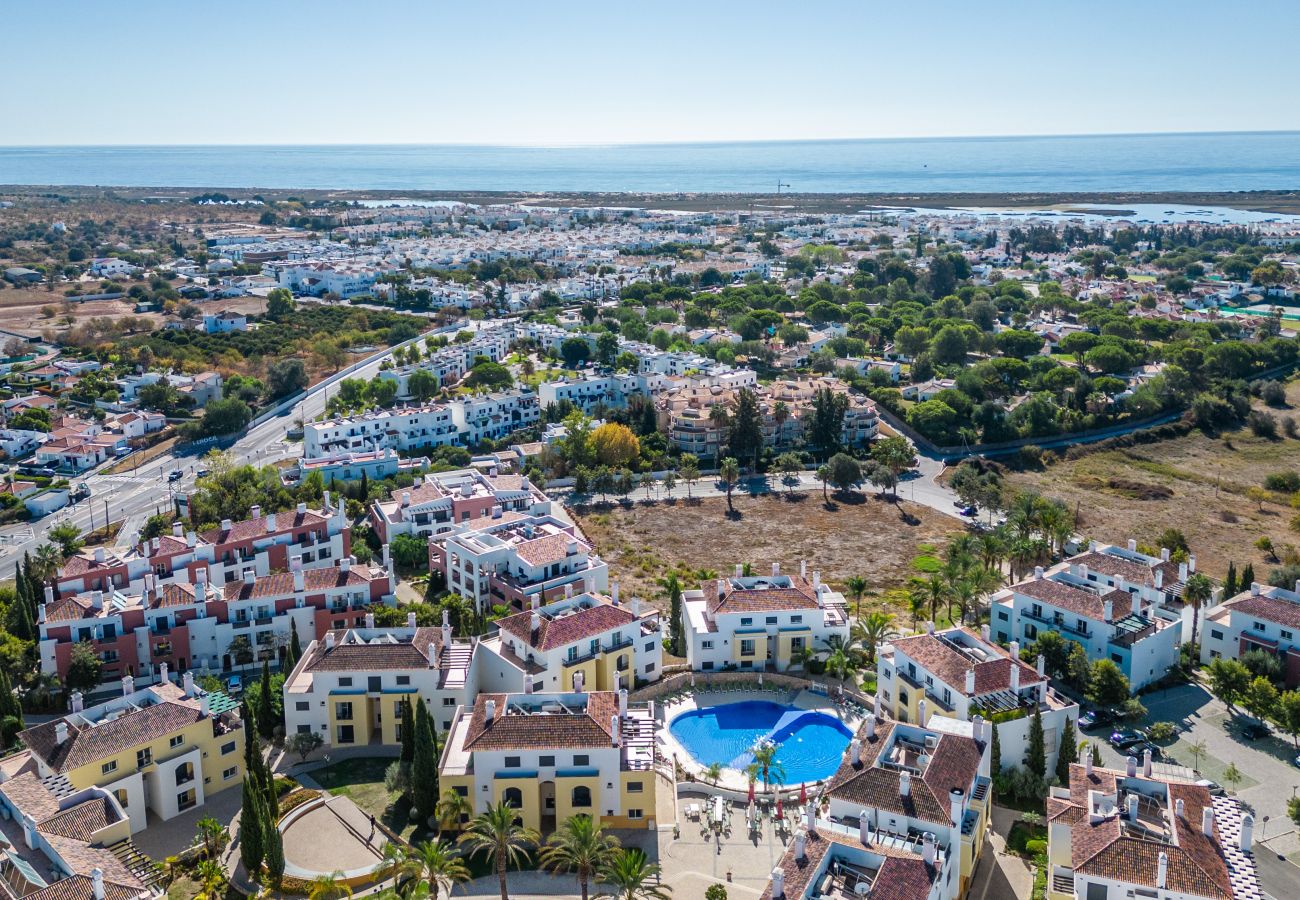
[
  {"x": 163, "y": 748},
  {"x": 556, "y": 755}
]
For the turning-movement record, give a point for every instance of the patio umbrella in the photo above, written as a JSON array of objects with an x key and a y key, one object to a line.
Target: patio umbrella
[
  {"x": 751, "y": 792},
  {"x": 803, "y": 794},
  {"x": 779, "y": 812}
]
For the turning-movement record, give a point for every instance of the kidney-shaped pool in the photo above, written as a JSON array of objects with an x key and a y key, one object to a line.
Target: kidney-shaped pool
[{"x": 809, "y": 744}]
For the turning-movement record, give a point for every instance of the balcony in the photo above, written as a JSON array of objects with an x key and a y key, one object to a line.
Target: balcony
[
  {"x": 1057, "y": 623},
  {"x": 241, "y": 624},
  {"x": 262, "y": 620}
]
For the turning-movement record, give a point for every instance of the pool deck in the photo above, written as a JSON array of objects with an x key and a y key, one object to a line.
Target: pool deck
[{"x": 701, "y": 698}]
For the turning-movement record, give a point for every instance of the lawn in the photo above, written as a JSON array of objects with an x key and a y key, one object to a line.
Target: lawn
[
  {"x": 864, "y": 536},
  {"x": 1197, "y": 483},
  {"x": 362, "y": 780}
]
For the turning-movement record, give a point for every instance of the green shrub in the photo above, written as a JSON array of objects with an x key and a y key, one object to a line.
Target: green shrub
[
  {"x": 1034, "y": 848},
  {"x": 1162, "y": 731}
]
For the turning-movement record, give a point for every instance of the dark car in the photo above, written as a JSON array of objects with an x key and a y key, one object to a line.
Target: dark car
[
  {"x": 202, "y": 473},
  {"x": 37, "y": 470},
  {"x": 1095, "y": 718},
  {"x": 175, "y": 475},
  {"x": 1126, "y": 738},
  {"x": 1255, "y": 731},
  {"x": 1137, "y": 750}
]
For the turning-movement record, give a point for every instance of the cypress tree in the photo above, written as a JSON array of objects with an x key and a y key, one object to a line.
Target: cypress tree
[
  {"x": 424, "y": 768},
  {"x": 295, "y": 649},
  {"x": 995, "y": 764},
  {"x": 365, "y": 487},
  {"x": 1247, "y": 577},
  {"x": 20, "y": 585},
  {"x": 265, "y": 709},
  {"x": 1036, "y": 755},
  {"x": 252, "y": 840},
  {"x": 21, "y": 624},
  {"x": 252, "y": 750},
  {"x": 1230, "y": 581},
  {"x": 408, "y": 732},
  {"x": 1069, "y": 753},
  {"x": 274, "y": 853}
]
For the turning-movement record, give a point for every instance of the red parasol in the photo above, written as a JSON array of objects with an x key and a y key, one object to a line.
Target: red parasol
[
  {"x": 751, "y": 792},
  {"x": 779, "y": 812},
  {"x": 803, "y": 794}
]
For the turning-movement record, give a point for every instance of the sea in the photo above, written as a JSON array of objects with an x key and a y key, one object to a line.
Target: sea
[{"x": 1237, "y": 161}]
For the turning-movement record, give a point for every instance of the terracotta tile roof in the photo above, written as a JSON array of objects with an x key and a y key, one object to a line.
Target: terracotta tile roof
[
  {"x": 566, "y": 629},
  {"x": 69, "y": 609},
  {"x": 84, "y": 561},
  {"x": 1088, "y": 604},
  {"x": 945, "y": 663},
  {"x": 80, "y": 887},
  {"x": 1267, "y": 609},
  {"x": 26, "y": 792},
  {"x": 252, "y": 528},
  {"x": 173, "y": 594},
  {"x": 1131, "y": 570},
  {"x": 280, "y": 584},
  {"x": 89, "y": 743},
  {"x": 349, "y": 654},
  {"x": 546, "y": 549},
  {"x": 80, "y": 822},
  {"x": 742, "y": 600},
  {"x": 995, "y": 675},
  {"x": 542, "y": 731},
  {"x": 902, "y": 875}
]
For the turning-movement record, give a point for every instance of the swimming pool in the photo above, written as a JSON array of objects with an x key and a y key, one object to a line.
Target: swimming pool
[{"x": 810, "y": 744}]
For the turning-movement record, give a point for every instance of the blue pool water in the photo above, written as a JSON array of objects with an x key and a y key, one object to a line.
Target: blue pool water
[{"x": 809, "y": 744}]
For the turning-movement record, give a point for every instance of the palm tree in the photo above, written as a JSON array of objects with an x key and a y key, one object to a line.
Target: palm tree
[
  {"x": 451, "y": 808},
  {"x": 634, "y": 877},
  {"x": 857, "y": 586},
  {"x": 780, "y": 413},
  {"x": 395, "y": 861},
  {"x": 1196, "y": 592},
  {"x": 435, "y": 864},
  {"x": 46, "y": 562},
  {"x": 713, "y": 772},
  {"x": 916, "y": 604},
  {"x": 934, "y": 590},
  {"x": 329, "y": 887},
  {"x": 729, "y": 472},
  {"x": 580, "y": 846},
  {"x": 689, "y": 472},
  {"x": 497, "y": 835},
  {"x": 764, "y": 753},
  {"x": 871, "y": 632},
  {"x": 213, "y": 835},
  {"x": 824, "y": 476}
]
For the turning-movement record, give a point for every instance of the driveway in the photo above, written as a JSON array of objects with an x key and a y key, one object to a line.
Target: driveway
[{"x": 1269, "y": 777}]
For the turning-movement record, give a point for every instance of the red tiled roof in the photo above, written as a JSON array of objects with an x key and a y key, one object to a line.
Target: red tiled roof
[
  {"x": 774, "y": 599},
  {"x": 252, "y": 528},
  {"x": 902, "y": 875},
  {"x": 1267, "y": 609},
  {"x": 1079, "y": 601},
  {"x": 280, "y": 584},
  {"x": 542, "y": 731},
  {"x": 566, "y": 629},
  {"x": 398, "y": 654}
]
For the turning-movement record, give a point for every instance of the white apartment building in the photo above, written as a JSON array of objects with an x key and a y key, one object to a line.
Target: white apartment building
[
  {"x": 761, "y": 622},
  {"x": 442, "y": 502},
  {"x": 404, "y": 428},
  {"x": 1115, "y": 834},
  {"x": 832, "y": 860},
  {"x": 1262, "y": 617},
  {"x": 517, "y": 560},
  {"x": 493, "y": 416},
  {"x": 589, "y": 391},
  {"x": 587, "y": 642},
  {"x": 959, "y": 674},
  {"x": 318, "y": 278},
  {"x": 350, "y": 684}
]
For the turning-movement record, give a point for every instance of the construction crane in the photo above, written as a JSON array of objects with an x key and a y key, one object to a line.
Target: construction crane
[{"x": 780, "y": 184}]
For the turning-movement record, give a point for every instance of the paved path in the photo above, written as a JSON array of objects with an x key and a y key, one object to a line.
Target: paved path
[{"x": 1000, "y": 875}]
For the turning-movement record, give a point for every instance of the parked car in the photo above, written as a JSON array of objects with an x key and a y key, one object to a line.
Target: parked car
[
  {"x": 1141, "y": 747},
  {"x": 81, "y": 493},
  {"x": 1215, "y": 789},
  {"x": 123, "y": 451},
  {"x": 1126, "y": 738},
  {"x": 175, "y": 475},
  {"x": 970, "y": 511},
  {"x": 33, "y": 469},
  {"x": 234, "y": 685},
  {"x": 202, "y": 473},
  {"x": 1255, "y": 731},
  {"x": 1095, "y": 718}
]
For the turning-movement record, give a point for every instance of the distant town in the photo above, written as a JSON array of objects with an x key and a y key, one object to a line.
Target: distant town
[{"x": 409, "y": 548}]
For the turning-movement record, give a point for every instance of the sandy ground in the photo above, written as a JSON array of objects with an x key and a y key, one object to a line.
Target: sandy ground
[
  {"x": 871, "y": 538},
  {"x": 21, "y": 309},
  {"x": 1197, "y": 483}
]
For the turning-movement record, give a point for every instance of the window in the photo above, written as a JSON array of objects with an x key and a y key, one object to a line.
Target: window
[
  {"x": 1117, "y": 659},
  {"x": 343, "y": 711},
  {"x": 512, "y": 762},
  {"x": 513, "y": 798},
  {"x": 649, "y": 667},
  {"x": 302, "y": 705},
  {"x": 581, "y": 797},
  {"x": 375, "y": 684},
  {"x": 771, "y": 620},
  {"x": 304, "y": 729},
  {"x": 1286, "y": 635},
  {"x": 143, "y": 757},
  {"x": 107, "y": 767},
  {"x": 635, "y": 787},
  {"x": 746, "y": 648},
  {"x": 1258, "y": 626},
  {"x": 796, "y": 620},
  {"x": 1002, "y": 614},
  {"x": 345, "y": 734},
  {"x": 403, "y": 679},
  {"x": 634, "y": 813},
  {"x": 122, "y": 797},
  {"x": 708, "y": 666},
  {"x": 581, "y": 759},
  {"x": 1216, "y": 634},
  {"x": 448, "y": 701},
  {"x": 747, "y": 620},
  {"x": 228, "y": 748},
  {"x": 230, "y": 773},
  {"x": 546, "y": 760},
  {"x": 649, "y": 646},
  {"x": 345, "y": 681},
  {"x": 706, "y": 645},
  {"x": 176, "y": 741}
]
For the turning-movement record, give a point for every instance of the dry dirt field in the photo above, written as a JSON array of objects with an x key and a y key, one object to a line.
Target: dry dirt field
[
  {"x": 871, "y": 538},
  {"x": 1196, "y": 483},
  {"x": 20, "y": 309}
]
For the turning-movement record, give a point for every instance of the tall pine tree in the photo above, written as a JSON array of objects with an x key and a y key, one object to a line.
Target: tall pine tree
[
  {"x": 1247, "y": 577},
  {"x": 1036, "y": 755},
  {"x": 408, "y": 732},
  {"x": 1230, "y": 581},
  {"x": 265, "y": 707},
  {"x": 1068, "y": 753},
  {"x": 295, "y": 649},
  {"x": 274, "y": 853},
  {"x": 252, "y": 837},
  {"x": 424, "y": 768}
]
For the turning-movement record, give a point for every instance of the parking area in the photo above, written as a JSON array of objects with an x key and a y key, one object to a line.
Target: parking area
[{"x": 1269, "y": 777}]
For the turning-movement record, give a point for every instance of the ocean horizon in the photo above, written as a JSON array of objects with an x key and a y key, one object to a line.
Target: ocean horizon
[{"x": 1192, "y": 161}]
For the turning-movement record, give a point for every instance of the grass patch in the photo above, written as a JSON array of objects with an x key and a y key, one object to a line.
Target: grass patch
[
  {"x": 1021, "y": 834},
  {"x": 362, "y": 781},
  {"x": 926, "y": 564}
]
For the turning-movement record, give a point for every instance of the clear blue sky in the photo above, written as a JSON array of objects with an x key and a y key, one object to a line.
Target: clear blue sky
[{"x": 393, "y": 71}]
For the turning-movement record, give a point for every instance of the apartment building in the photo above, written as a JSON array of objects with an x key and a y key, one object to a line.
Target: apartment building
[
  {"x": 587, "y": 392},
  {"x": 493, "y": 416},
  {"x": 326, "y": 277},
  {"x": 830, "y": 861},
  {"x": 350, "y": 685},
  {"x": 162, "y": 749},
  {"x": 206, "y": 627},
  {"x": 906, "y": 785},
  {"x": 960, "y": 674},
  {"x": 515, "y": 560},
  {"x": 313, "y": 537},
  {"x": 405, "y": 428},
  {"x": 1130, "y": 833},
  {"x": 1262, "y": 617},
  {"x": 1110, "y": 622},
  {"x": 350, "y": 466},
  {"x": 751, "y": 622},
  {"x": 551, "y": 756},
  {"x": 436, "y": 504},
  {"x": 589, "y": 641}
]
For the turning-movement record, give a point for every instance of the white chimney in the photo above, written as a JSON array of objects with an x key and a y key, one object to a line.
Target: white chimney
[
  {"x": 528, "y": 684},
  {"x": 776, "y": 569},
  {"x": 1191, "y": 564},
  {"x": 78, "y": 702},
  {"x": 970, "y": 680},
  {"x": 40, "y": 614},
  {"x": 49, "y": 594},
  {"x": 1132, "y": 545},
  {"x": 1254, "y": 588},
  {"x": 855, "y": 751},
  {"x": 446, "y": 634},
  {"x": 1015, "y": 673},
  {"x": 410, "y": 620},
  {"x": 1132, "y": 803},
  {"x": 984, "y": 631},
  {"x": 99, "y": 554},
  {"x": 928, "y": 848},
  {"x": 1014, "y": 649},
  {"x": 226, "y": 524},
  {"x": 1131, "y": 766},
  {"x": 920, "y": 712},
  {"x": 817, "y": 582},
  {"x": 1159, "y": 577},
  {"x": 810, "y": 817},
  {"x": 1107, "y": 610},
  {"x": 255, "y": 511},
  {"x": 1038, "y": 573},
  {"x": 1179, "y": 808},
  {"x": 613, "y": 592},
  {"x": 205, "y": 705},
  {"x": 803, "y": 569},
  {"x": 905, "y": 784},
  {"x": 955, "y": 804},
  {"x": 1137, "y": 604},
  {"x": 162, "y": 672},
  {"x": 799, "y": 847},
  {"x": 1162, "y": 870},
  {"x": 187, "y": 684},
  {"x": 864, "y": 826},
  {"x": 1087, "y": 763},
  {"x": 870, "y": 726},
  {"x": 1207, "y": 821},
  {"x": 622, "y": 702},
  {"x": 433, "y": 655},
  {"x": 302, "y": 508},
  {"x": 97, "y": 882},
  {"x": 128, "y": 685},
  {"x": 613, "y": 730},
  {"x": 191, "y": 539},
  {"x": 740, "y": 570},
  {"x": 270, "y": 522},
  {"x": 345, "y": 565},
  {"x": 489, "y": 711},
  {"x": 250, "y": 576},
  {"x": 329, "y": 640},
  {"x": 97, "y": 599},
  {"x": 778, "y": 883},
  {"x": 60, "y": 732},
  {"x": 1146, "y": 763},
  {"x": 929, "y": 627},
  {"x": 1247, "y": 832},
  {"x": 1182, "y": 571}
]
